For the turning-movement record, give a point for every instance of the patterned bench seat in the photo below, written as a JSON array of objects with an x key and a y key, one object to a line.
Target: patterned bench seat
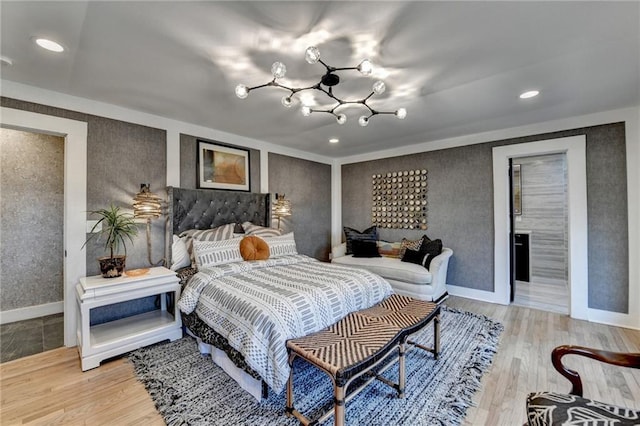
[{"x": 359, "y": 343}]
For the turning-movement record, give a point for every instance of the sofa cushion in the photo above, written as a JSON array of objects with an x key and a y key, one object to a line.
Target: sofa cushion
[{"x": 388, "y": 267}]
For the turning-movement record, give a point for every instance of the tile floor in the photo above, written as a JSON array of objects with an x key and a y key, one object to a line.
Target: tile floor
[{"x": 23, "y": 338}]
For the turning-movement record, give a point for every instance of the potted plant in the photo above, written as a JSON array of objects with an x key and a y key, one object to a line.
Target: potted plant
[{"x": 117, "y": 228}]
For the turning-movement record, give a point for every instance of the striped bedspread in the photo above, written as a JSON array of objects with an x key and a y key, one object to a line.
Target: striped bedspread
[{"x": 259, "y": 305}]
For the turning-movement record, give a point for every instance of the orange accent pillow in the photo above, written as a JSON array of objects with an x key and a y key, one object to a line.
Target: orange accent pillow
[{"x": 254, "y": 248}]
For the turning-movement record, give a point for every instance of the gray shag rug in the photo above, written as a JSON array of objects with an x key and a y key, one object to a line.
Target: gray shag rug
[{"x": 188, "y": 389}]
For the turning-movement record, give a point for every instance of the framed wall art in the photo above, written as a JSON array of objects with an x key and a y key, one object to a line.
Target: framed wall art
[
  {"x": 517, "y": 190},
  {"x": 222, "y": 167},
  {"x": 400, "y": 199}
]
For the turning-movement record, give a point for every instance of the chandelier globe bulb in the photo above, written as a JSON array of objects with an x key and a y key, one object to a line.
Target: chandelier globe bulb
[
  {"x": 363, "y": 121},
  {"x": 306, "y": 111},
  {"x": 341, "y": 118},
  {"x": 278, "y": 69},
  {"x": 379, "y": 87},
  {"x": 365, "y": 67},
  {"x": 241, "y": 91},
  {"x": 312, "y": 55},
  {"x": 287, "y": 101},
  {"x": 401, "y": 113}
]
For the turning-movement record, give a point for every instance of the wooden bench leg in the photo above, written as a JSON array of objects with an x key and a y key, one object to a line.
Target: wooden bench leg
[
  {"x": 289, "y": 409},
  {"x": 436, "y": 336},
  {"x": 339, "y": 406},
  {"x": 401, "y": 370}
]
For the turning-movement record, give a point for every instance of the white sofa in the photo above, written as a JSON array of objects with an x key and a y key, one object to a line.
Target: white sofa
[{"x": 406, "y": 278}]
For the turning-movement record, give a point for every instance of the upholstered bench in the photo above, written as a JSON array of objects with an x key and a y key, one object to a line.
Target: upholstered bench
[{"x": 369, "y": 339}]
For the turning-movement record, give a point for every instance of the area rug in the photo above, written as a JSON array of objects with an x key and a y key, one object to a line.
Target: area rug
[{"x": 188, "y": 389}]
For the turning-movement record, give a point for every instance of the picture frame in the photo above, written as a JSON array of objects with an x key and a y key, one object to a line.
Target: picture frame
[
  {"x": 517, "y": 190},
  {"x": 222, "y": 167}
]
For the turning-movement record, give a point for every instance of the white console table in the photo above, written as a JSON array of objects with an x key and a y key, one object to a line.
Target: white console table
[{"x": 99, "y": 342}]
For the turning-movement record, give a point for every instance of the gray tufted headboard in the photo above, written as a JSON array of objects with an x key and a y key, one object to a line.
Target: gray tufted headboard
[{"x": 208, "y": 208}]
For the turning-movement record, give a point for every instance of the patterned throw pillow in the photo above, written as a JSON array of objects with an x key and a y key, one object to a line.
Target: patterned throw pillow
[
  {"x": 223, "y": 232},
  {"x": 282, "y": 245},
  {"x": 260, "y": 231},
  {"x": 369, "y": 234},
  {"x": 214, "y": 253},
  {"x": 409, "y": 244},
  {"x": 387, "y": 249}
]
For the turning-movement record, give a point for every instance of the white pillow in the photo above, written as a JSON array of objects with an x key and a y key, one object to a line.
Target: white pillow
[
  {"x": 213, "y": 253},
  {"x": 179, "y": 254},
  {"x": 282, "y": 245},
  {"x": 222, "y": 232}
]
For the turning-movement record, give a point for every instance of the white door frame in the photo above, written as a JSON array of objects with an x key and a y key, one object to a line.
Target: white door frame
[
  {"x": 75, "y": 198},
  {"x": 575, "y": 149}
]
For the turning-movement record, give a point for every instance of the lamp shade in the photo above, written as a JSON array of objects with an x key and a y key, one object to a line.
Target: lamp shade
[
  {"x": 282, "y": 207},
  {"x": 146, "y": 204}
]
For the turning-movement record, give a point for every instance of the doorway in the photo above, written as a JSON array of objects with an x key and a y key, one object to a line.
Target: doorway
[
  {"x": 75, "y": 203},
  {"x": 540, "y": 230},
  {"x": 575, "y": 149},
  {"x": 31, "y": 263}
]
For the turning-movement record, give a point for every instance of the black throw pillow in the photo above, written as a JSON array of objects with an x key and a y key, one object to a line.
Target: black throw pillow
[
  {"x": 365, "y": 249},
  {"x": 430, "y": 250},
  {"x": 369, "y": 234},
  {"x": 412, "y": 256}
]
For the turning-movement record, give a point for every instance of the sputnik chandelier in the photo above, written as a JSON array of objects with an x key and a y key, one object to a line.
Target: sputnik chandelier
[{"x": 326, "y": 84}]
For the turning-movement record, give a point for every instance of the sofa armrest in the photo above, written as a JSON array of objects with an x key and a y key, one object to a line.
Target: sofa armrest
[
  {"x": 339, "y": 250},
  {"x": 438, "y": 269}
]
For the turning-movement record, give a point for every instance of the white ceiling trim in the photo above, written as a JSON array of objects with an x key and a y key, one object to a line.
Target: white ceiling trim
[{"x": 33, "y": 94}]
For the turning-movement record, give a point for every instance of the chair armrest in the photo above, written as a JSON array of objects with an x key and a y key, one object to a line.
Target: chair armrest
[
  {"x": 438, "y": 268},
  {"x": 339, "y": 250},
  {"x": 615, "y": 358}
]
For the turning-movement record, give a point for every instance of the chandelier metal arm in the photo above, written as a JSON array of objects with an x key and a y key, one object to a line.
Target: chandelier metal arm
[{"x": 325, "y": 85}]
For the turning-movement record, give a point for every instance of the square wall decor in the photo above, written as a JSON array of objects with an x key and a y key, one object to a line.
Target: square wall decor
[{"x": 400, "y": 199}]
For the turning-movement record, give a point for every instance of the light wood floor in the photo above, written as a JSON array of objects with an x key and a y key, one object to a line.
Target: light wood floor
[{"x": 50, "y": 389}]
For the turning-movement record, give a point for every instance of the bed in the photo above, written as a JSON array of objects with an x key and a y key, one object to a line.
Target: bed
[{"x": 242, "y": 312}]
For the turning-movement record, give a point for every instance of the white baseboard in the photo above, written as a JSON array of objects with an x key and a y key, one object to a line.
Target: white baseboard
[
  {"x": 472, "y": 293},
  {"x": 613, "y": 318},
  {"x": 29, "y": 312}
]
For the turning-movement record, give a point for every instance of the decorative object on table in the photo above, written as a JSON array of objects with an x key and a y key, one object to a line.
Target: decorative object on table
[
  {"x": 326, "y": 84},
  {"x": 117, "y": 228},
  {"x": 136, "y": 272},
  {"x": 439, "y": 391},
  {"x": 147, "y": 205},
  {"x": 400, "y": 199},
  {"x": 281, "y": 208},
  {"x": 222, "y": 167}
]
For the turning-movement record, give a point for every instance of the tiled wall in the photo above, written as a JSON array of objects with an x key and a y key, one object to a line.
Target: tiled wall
[{"x": 544, "y": 213}]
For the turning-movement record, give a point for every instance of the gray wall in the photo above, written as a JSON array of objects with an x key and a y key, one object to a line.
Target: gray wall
[
  {"x": 31, "y": 218},
  {"x": 461, "y": 209},
  {"x": 545, "y": 213},
  {"x": 308, "y": 185},
  {"x": 120, "y": 156},
  {"x": 188, "y": 162}
]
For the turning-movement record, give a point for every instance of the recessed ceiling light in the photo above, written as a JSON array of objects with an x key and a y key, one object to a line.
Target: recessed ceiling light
[
  {"x": 529, "y": 94},
  {"x": 49, "y": 45},
  {"x": 334, "y": 140}
]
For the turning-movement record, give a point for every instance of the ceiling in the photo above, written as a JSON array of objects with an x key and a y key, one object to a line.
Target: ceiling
[{"x": 457, "y": 67}]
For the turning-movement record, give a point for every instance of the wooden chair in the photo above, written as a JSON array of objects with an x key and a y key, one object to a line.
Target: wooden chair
[{"x": 551, "y": 408}]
